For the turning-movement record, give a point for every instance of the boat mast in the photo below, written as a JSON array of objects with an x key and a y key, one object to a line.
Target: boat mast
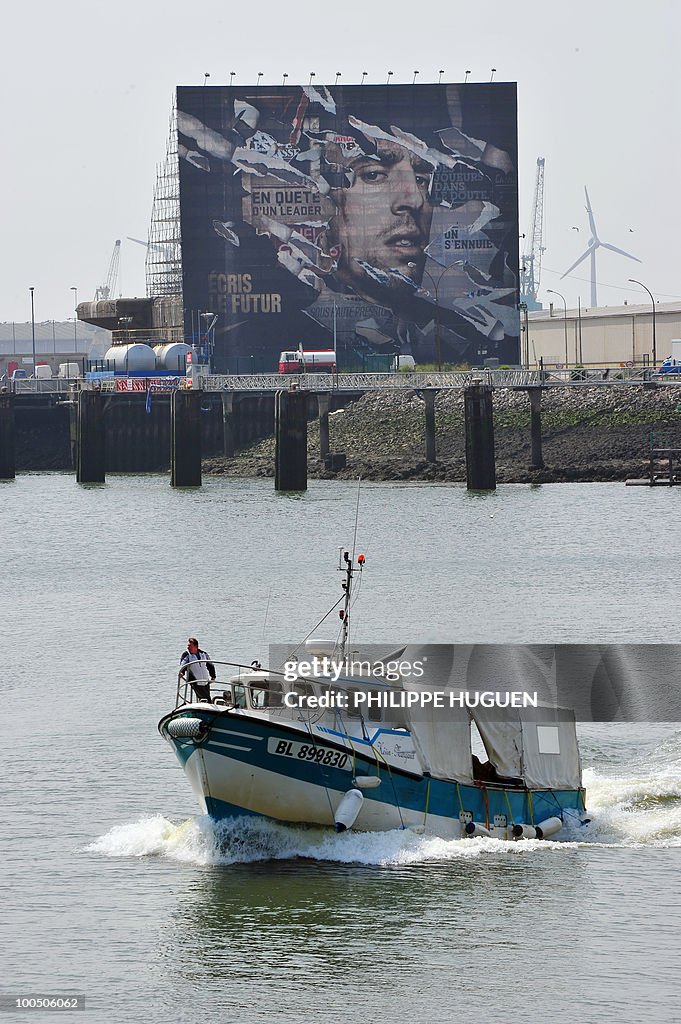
[
  {"x": 347, "y": 566},
  {"x": 348, "y": 561}
]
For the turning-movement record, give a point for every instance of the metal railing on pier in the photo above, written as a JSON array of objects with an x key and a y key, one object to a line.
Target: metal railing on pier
[{"x": 353, "y": 382}]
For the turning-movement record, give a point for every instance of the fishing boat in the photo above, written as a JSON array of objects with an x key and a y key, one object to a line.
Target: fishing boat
[{"x": 322, "y": 737}]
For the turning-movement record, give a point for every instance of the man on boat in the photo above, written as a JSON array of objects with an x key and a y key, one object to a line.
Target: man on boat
[{"x": 197, "y": 669}]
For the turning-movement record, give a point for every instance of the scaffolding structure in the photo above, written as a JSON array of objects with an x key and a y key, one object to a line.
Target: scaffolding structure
[{"x": 163, "y": 265}]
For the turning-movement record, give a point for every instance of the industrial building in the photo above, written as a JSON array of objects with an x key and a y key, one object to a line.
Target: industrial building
[
  {"x": 605, "y": 336},
  {"x": 55, "y": 342}
]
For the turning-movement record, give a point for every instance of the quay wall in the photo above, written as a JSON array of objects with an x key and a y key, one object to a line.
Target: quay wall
[
  {"x": 589, "y": 433},
  {"x": 138, "y": 437}
]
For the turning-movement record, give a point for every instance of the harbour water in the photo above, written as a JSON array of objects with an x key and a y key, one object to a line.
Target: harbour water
[{"x": 114, "y": 888}]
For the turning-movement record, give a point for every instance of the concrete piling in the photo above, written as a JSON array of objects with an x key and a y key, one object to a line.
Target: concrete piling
[
  {"x": 323, "y": 401},
  {"x": 478, "y": 415},
  {"x": 90, "y": 438},
  {"x": 290, "y": 430},
  {"x": 228, "y": 445},
  {"x": 534, "y": 394},
  {"x": 7, "y": 438},
  {"x": 185, "y": 438},
  {"x": 429, "y": 397}
]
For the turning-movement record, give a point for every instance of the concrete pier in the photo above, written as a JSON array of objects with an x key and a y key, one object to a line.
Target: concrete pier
[
  {"x": 323, "y": 401},
  {"x": 7, "y": 438},
  {"x": 185, "y": 438},
  {"x": 534, "y": 395},
  {"x": 478, "y": 414},
  {"x": 290, "y": 431},
  {"x": 90, "y": 438},
  {"x": 429, "y": 397}
]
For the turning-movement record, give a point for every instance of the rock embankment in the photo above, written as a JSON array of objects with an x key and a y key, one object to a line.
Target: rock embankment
[{"x": 589, "y": 433}]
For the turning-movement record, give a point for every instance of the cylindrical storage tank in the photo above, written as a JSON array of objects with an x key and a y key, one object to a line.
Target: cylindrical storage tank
[
  {"x": 137, "y": 358},
  {"x": 172, "y": 356}
]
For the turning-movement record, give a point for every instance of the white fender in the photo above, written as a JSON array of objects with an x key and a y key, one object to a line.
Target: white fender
[
  {"x": 548, "y": 827},
  {"x": 524, "y": 832},
  {"x": 366, "y": 781},
  {"x": 348, "y": 809},
  {"x": 185, "y": 727},
  {"x": 474, "y": 828}
]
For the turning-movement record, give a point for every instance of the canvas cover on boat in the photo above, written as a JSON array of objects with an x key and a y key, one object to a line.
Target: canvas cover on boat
[
  {"x": 537, "y": 745},
  {"x": 442, "y": 740},
  {"x": 442, "y": 736}
]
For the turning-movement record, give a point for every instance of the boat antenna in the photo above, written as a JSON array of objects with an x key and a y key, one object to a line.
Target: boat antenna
[
  {"x": 354, "y": 538},
  {"x": 350, "y": 567}
]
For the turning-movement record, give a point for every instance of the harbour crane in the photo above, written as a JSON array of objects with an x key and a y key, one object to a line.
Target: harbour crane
[
  {"x": 530, "y": 267},
  {"x": 108, "y": 289}
]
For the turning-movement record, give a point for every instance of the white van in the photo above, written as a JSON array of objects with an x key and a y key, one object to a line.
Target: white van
[
  {"x": 43, "y": 372},
  {"x": 68, "y": 370}
]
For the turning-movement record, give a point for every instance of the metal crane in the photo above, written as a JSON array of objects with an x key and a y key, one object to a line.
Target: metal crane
[
  {"x": 108, "y": 290},
  {"x": 530, "y": 268}
]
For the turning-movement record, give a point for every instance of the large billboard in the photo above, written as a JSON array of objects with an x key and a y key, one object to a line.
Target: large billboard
[{"x": 373, "y": 219}]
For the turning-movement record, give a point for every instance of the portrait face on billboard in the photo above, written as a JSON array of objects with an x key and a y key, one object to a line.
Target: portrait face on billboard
[
  {"x": 363, "y": 218},
  {"x": 383, "y": 218}
]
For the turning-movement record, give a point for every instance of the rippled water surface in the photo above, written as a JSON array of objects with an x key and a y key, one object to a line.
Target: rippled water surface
[{"x": 113, "y": 887}]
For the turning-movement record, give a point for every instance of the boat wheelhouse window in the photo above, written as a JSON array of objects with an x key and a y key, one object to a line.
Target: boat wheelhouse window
[
  {"x": 375, "y": 708},
  {"x": 359, "y": 708},
  {"x": 354, "y": 707},
  {"x": 240, "y": 696},
  {"x": 548, "y": 741},
  {"x": 267, "y": 695},
  {"x": 304, "y": 690}
]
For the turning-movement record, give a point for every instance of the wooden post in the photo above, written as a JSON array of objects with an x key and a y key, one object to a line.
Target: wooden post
[
  {"x": 323, "y": 399},
  {"x": 480, "y": 465},
  {"x": 534, "y": 394},
  {"x": 429, "y": 396},
  {"x": 228, "y": 446},
  {"x": 290, "y": 431},
  {"x": 90, "y": 438},
  {"x": 185, "y": 438},
  {"x": 7, "y": 438}
]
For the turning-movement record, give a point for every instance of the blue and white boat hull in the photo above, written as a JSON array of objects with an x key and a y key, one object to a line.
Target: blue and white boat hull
[{"x": 239, "y": 764}]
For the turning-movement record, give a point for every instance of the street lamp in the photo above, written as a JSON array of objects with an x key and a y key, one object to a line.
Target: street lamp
[
  {"x": 74, "y": 289},
  {"x": 552, "y": 291},
  {"x": 634, "y": 281},
  {"x": 33, "y": 326}
]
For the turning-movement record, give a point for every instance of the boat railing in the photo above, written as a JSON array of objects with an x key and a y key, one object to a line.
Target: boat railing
[
  {"x": 259, "y": 695},
  {"x": 258, "y": 689}
]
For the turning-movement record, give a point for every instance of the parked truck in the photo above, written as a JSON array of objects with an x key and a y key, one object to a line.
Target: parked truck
[{"x": 302, "y": 360}]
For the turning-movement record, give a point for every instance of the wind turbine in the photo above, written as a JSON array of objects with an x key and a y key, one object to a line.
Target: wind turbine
[{"x": 593, "y": 244}]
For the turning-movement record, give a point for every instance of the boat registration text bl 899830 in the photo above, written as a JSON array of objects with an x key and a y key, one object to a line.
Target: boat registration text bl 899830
[{"x": 309, "y": 752}]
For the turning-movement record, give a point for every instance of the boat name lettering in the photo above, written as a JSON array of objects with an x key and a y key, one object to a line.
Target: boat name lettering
[
  {"x": 397, "y": 751},
  {"x": 309, "y": 752}
]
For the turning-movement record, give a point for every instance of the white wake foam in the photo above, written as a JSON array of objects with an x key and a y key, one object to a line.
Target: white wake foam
[
  {"x": 641, "y": 807},
  {"x": 246, "y": 840}
]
